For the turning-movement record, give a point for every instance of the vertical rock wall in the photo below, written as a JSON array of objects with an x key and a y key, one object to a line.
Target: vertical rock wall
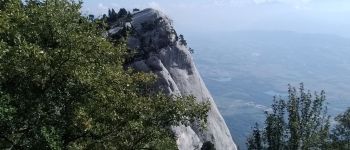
[{"x": 161, "y": 52}]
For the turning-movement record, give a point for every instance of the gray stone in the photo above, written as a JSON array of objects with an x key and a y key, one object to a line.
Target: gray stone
[
  {"x": 114, "y": 30},
  {"x": 177, "y": 74}
]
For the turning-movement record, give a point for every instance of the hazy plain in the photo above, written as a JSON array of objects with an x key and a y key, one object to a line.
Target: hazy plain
[{"x": 244, "y": 70}]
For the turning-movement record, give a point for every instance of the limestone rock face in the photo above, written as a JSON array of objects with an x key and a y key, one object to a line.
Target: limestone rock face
[{"x": 162, "y": 52}]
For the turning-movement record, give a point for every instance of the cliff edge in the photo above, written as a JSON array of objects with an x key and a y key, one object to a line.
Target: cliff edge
[{"x": 161, "y": 51}]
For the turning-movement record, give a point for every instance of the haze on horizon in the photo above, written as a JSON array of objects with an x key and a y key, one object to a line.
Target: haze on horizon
[
  {"x": 304, "y": 16},
  {"x": 244, "y": 70}
]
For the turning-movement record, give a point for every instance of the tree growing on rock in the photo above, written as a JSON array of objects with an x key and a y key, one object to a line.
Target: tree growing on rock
[
  {"x": 191, "y": 50},
  {"x": 182, "y": 40},
  {"x": 135, "y": 10},
  {"x": 112, "y": 16},
  {"x": 122, "y": 13}
]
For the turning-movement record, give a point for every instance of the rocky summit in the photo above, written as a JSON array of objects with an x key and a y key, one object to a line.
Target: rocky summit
[{"x": 162, "y": 51}]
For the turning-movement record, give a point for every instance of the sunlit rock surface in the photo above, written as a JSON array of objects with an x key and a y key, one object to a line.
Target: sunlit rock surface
[{"x": 161, "y": 52}]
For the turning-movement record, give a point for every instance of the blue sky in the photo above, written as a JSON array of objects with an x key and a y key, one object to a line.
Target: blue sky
[{"x": 306, "y": 16}]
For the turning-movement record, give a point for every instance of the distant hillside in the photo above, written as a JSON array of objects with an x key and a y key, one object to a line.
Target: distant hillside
[{"x": 243, "y": 70}]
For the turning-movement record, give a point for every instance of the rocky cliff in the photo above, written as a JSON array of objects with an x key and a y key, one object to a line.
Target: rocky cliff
[{"x": 161, "y": 51}]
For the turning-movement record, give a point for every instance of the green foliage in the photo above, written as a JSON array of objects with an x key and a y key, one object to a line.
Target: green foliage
[
  {"x": 341, "y": 133},
  {"x": 135, "y": 10},
  {"x": 122, "y": 13},
  {"x": 208, "y": 146},
  {"x": 63, "y": 85},
  {"x": 182, "y": 40},
  {"x": 91, "y": 17},
  {"x": 301, "y": 122},
  {"x": 113, "y": 17},
  {"x": 254, "y": 140},
  {"x": 191, "y": 50}
]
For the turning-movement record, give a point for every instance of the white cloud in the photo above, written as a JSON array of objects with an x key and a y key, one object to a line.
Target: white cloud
[{"x": 155, "y": 5}]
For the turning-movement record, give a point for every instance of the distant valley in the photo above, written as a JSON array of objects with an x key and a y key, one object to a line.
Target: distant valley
[{"x": 244, "y": 70}]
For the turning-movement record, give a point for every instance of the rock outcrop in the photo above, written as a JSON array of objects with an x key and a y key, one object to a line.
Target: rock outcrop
[{"x": 161, "y": 51}]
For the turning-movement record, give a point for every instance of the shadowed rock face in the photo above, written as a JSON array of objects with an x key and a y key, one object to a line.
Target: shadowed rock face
[{"x": 163, "y": 54}]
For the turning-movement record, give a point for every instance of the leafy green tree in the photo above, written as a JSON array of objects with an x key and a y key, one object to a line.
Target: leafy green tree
[
  {"x": 64, "y": 86},
  {"x": 341, "y": 133},
  {"x": 301, "y": 122}
]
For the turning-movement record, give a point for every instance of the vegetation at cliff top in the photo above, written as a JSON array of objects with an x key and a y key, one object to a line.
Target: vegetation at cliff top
[{"x": 64, "y": 86}]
